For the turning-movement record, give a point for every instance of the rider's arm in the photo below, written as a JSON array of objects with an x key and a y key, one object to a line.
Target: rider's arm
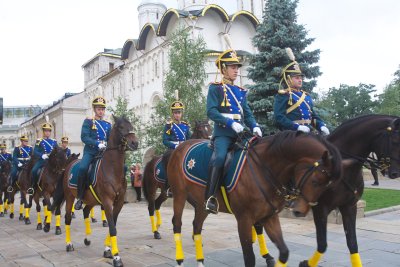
[
  {"x": 280, "y": 116},
  {"x": 86, "y": 137},
  {"x": 38, "y": 151},
  {"x": 248, "y": 119},
  {"x": 167, "y": 136},
  {"x": 15, "y": 156},
  {"x": 213, "y": 102},
  {"x": 317, "y": 121}
]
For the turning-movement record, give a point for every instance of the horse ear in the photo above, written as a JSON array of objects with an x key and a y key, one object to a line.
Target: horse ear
[
  {"x": 326, "y": 158},
  {"x": 396, "y": 124}
]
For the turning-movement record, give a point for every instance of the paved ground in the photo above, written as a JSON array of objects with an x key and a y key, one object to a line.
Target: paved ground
[{"x": 22, "y": 245}]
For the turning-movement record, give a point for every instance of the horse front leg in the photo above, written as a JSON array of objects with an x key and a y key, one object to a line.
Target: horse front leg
[
  {"x": 349, "y": 214},
  {"x": 27, "y": 210},
  {"x": 273, "y": 228},
  {"x": 320, "y": 214},
  {"x": 245, "y": 235},
  {"x": 22, "y": 202},
  {"x": 1, "y": 204},
  {"x": 111, "y": 238},
  {"x": 103, "y": 217},
  {"x": 48, "y": 213},
  {"x": 264, "y": 252},
  {"x": 160, "y": 199},
  {"x": 39, "y": 225},
  {"x": 69, "y": 202},
  {"x": 199, "y": 217},
  {"x": 180, "y": 197},
  {"x": 58, "y": 220},
  {"x": 88, "y": 230},
  {"x": 11, "y": 196}
]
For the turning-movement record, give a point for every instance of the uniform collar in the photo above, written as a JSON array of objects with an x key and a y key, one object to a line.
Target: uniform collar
[
  {"x": 227, "y": 81},
  {"x": 175, "y": 121}
]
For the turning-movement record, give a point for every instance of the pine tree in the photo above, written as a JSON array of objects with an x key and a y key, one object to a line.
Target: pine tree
[
  {"x": 186, "y": 73},
  {"x": 278, "y": 30}
]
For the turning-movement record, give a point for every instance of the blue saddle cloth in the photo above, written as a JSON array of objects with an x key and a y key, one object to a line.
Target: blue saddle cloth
[
  {"x": 92, "y": 173},
  {"x": 160, "y": 174}
]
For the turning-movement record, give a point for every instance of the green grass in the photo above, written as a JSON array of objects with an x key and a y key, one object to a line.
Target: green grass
[{"x": 380, "y": 198}]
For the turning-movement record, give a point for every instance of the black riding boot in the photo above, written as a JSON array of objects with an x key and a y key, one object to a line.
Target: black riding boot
[
  {"x": 79, "y": 202},
  {"x": 211, "y": 204}
]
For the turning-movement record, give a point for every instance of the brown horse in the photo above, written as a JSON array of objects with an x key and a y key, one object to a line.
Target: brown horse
[
  {"x": 202, "y": 130},
  {"x": 51, "y": 171},
  {"x": 356, "y": 139},
  {"x": 22, "y": 184},
  {"x": 109, "y": 190},
  {"x": 5, "y": 169},
  {"x": 306, "y": 164}
]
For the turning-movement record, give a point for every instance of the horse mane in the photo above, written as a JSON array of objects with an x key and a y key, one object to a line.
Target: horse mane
[
  {"x": 290, "y": 137},
  {"x": 354, "y": 122}
]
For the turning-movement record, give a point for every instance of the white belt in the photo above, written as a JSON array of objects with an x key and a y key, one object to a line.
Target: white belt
[
  {"x": 232, "y": 116},
  {"x": 177, "y": 142},
  {"x": 23, "y": 158}
]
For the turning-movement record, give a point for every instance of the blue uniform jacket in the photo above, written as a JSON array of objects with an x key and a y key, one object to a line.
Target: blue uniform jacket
[
  {"x": 285, "y": 121},
  {"x": 221, "y": 102},
  {"x": 175, "y": 133},
  {"x": 68, "y": 152},
  {"x": 44, "y": 146},
  {"x": 5, "y": 157},
  {"x": 93, "y": 133},
  {"x": 21, "y": 154}
]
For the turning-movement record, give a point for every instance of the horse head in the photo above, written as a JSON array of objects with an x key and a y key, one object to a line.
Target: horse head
[
  {"x": 122, "y": 134},
  {"x": 313, "y": 164},
  {"x": 202, "y": 130},
  {"x": 58, "y": 159},
  {"x": 5, "y": 167}
]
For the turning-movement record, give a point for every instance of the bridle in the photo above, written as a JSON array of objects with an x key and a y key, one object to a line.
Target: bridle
[{"x": 123, "y": 143}]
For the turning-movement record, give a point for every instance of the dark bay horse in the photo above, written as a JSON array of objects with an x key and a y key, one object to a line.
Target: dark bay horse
[
  {"x": 356, "y": 139},
  {"x": 202, "y": 130},
  {"x": 22, "y": 184},
  {"x": 50, "y": 174},
  {"x": 5, "y": 169},
  {"x": 109, "y": 190},
  {"x": 305, "y": 163}
]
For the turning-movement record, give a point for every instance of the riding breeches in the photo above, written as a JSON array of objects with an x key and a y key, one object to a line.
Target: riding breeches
[
  {"x": 221, "y": 147},
  {"x": 35, "y": 169}
]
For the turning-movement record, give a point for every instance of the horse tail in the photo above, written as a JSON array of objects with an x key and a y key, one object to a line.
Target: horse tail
[
  {"x": 58, "y": 195},
  {"x": 147, "y": 179}
]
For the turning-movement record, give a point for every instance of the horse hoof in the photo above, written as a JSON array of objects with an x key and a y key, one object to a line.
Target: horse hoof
[
  {"x": 27, "y": 221},
  {"x": 94, "y": 220},
  {"x": 11, "y": 215},
  {"x": 21, "y": 217},
  {"x": 117, "y": 262},
  {"x": 70, "y": 248},
  {"x": 73, "y": 215},
  {"x": 107, "y": 254},
  {"x": 157, "y": 235},
  {"x": 180, "y": 263},
  {"x": 58, "y": 230},
  {"x": 1, "y": 214},
  {"x": 304, "y": 264},
  {"x": 200, "y": 263},
  {"x": 87, "y": 242},
  {"x": 105, "y": 224},
  {"x": 39, "y": 226},
  {"x": 46, "y": 227},
  {"x": 269, "y": 260},
  {"x": 5, "y": 211}
]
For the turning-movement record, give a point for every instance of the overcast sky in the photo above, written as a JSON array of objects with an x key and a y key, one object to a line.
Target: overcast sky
[{"x": 44, "y": 43}]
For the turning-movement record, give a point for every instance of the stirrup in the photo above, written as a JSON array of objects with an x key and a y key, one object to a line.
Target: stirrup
[
  {"x": 10, "y": 189},
  {"x": 169, "y": 192},
  {"x": 30, "y": 191},
  {"x": 208, "y": 202},
  {"x": 78, "y": 204}
]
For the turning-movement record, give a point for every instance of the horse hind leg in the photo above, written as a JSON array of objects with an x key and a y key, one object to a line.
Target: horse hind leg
[
  {"x": 273, "y": 228},
  {"x": 28, "y": 210},
  {"x": 257, "y": 229},
  {"x": 58, "y": 221},
  {"x": 199, "y": 217},
  {"x": 92, "y": 218},
  {"x": 21, "y": 207},
  {"x": 88, "y": 230},
  {"x": 39, "y": 225},
  {"x": 1, "y": 204},
  {"x": 160, "y": 199},
  {"x": 103, "y": 217},
  {"x": 179, "y": 204},
  {"x": 349, "y": 214},
  {"x": 68, "y": 218},
  {"x": 11, "y": 203}
]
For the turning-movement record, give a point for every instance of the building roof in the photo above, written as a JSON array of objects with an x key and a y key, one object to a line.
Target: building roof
[{"x": 116, "y": 53}]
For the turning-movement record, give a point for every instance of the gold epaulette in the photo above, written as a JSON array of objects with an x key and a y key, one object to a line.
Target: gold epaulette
[
  {"x": 283, "y": 91},
  {"x": 38, "y": 141},
  {"x": 184, "y": 122},
  {"x": 216, "y": 83}
]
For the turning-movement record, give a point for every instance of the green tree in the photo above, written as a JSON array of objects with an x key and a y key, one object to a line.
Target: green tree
[
  {"x": 121, "y": 110},
  {"x": 347, "y": 102},
  {"x": 186, "y": 73},
  {"x": 278, "y": 30},
  {"x": 389, "y": 100}
]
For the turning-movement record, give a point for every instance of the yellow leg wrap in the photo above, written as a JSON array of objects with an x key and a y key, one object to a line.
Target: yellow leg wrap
[
  {"x": 12, "y": 208},
  {"x": 262, "y": 244},
  {"x": 103, "y": 215},
  {"x": 114, "y": 246},
  {"x": 107, "y": 241},
  {"x": 253, "y": 234},
  {"x": 355, "y": 260},
  {"x": 1, "y": 208},
  {"x": 92, "y": 213},
  {"x": 27, "y": 212},
  {"x": 39, "y": 218},
  {"x": 45, "y": 210},
  {"x": 68, "y": 234},
  {"x": 58, "y": 220},
  {"x": 178, "y": 247},
  {"x": 73, "y": 208},
  {"x": 198, "y": 244},
  {"x": 280, "y": 264},
  {"x": 48, "y": 217},
  {"x": 153, "y": 224},
  {"x": 158, "y": 216},
  {"x": 88, "y": 231},
  {"x": 313, "y": 261},
  {"x": 21, "y": 209}
]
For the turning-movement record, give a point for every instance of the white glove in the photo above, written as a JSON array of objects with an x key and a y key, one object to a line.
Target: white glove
[
  {"x": 303, "y": 129},
  {"x": 325, "y": 130},
  {"x": 45, "y": 156},
  {"x": 237, "y": 127},
  {"x": 176, "y": 145},
  {"x": 257, "y": 131},
  {"x": 19, "y": 164},
  {"x": 102, "y": 146}
]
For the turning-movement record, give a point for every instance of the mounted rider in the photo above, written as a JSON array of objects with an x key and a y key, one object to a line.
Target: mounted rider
[
  {"x": 227, "y": 107},
  {"x": 64, "y": 145},
  {"x": 41, "y": 152},
  {"x": 293, "y": 107},
  {"x": 94, "y": 134},
  {"x": 21, "y": 155},
  {"x": 4, "y": 155}
]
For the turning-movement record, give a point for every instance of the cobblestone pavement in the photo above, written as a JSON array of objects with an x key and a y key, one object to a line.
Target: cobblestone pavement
[{"x": 23, "y": 245}]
